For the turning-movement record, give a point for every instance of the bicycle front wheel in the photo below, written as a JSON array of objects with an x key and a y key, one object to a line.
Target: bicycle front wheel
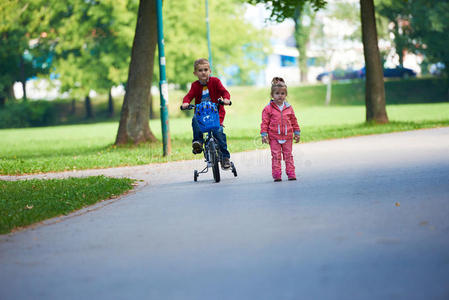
[{"x": 213, "y": 155}]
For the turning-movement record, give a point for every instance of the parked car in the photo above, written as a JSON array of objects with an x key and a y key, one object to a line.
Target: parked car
[
  {"x": 399, "y": 72},
  {"x": 340, "y": 74}
]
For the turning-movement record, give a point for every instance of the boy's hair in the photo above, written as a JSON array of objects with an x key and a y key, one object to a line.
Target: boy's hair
[
  {"x": 278, "y": 82},
  {"x": 200, "y": 61}
]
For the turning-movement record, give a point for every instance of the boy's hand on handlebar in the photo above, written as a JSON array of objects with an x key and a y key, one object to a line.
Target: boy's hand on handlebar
[
  {"x": 264, "y": 139},
  {"x": 185, "y": 105},
  {"x": 226, "y": 101},
  {"x": 297, "y": 138}
]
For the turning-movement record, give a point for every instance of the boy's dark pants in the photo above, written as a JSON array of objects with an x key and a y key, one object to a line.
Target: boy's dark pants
[{"x": 218, "y": 134}]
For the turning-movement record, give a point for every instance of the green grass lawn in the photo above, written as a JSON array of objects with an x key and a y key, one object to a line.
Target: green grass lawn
[
  {"x": 60, "y": 148},
  {"x": 26, "y": 202}
]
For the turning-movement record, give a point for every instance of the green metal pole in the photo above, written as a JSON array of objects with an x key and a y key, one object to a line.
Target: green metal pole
[
  {"x": 208, "y": 35},
  {"x": 163, "y": 86}
]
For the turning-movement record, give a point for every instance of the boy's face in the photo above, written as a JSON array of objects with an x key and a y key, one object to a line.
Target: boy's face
[{"x": 202, "y": 71}]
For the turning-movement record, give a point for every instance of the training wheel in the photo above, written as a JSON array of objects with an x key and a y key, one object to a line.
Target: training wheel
[
  {"x": 195, "y": 175},
  {"x": 234, "y": 170}
]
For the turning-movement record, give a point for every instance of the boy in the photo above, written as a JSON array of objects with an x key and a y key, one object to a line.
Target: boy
[{"x": 208, "y": 88}]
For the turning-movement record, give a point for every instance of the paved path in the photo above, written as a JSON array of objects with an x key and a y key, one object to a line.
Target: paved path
[{"x": 367, "y": 219}]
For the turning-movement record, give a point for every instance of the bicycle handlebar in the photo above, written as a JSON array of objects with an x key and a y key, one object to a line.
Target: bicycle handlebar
[
  {"x": 191, "y": 106},
  {"x": 220, "y": 101}
]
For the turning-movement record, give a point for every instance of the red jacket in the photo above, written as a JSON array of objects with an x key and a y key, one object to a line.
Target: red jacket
[
  {"x": 216, "y": 90},
  {"x": 279, "y": 125}
]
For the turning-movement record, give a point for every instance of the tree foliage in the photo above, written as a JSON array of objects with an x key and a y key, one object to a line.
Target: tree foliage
[
  {"x": 375, "y": 96},
  {"x": 24, "y": 52},
  {"x": 285, "y": 9},
  {"x": 86, "y": 44},
  {"x": 93, "y": 44},
  {"x": 234, "y": 41},
  {"x": 420, "y": 26}
]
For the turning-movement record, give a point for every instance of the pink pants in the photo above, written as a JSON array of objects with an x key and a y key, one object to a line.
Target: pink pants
[{"x": 285, "y": 150}]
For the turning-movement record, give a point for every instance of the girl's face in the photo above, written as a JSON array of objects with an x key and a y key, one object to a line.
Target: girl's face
[{"x": 279, "y": 95}]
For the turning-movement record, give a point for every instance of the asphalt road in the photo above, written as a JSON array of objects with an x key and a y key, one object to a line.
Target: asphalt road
[{"x": 367, "y": 219}]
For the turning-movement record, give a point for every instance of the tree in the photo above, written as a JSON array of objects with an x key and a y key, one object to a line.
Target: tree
[
  {"x": 429, "y": 23},
  {"x": 420, "y": 27},
  {"x": 234, "y": 40},
  {"x": 24, "y": 52},
  {"x": 304, "y": 21},
  {"x": 397, "y": 13},
  {"x": 375, "y": 93},
  {"x": 94, "y": 53},
  {"x": 134, "y": 116},
  {"x": 303, "y": 14},
  {"x": 374, "y": 84}
]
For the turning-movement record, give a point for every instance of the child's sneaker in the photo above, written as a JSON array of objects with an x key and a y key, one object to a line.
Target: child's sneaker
[
  {"x": 197, "y": 147},
  {"x": 277, "y": 179},
  {"x": 225, "y": 164},
  {"x": 292, "y": 178}
]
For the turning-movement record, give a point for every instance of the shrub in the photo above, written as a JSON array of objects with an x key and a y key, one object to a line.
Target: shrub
[{"x": 27, "y": 114}]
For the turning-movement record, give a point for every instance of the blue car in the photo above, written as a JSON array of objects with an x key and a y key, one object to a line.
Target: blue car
[
  {"x": 397, "y": 72},
  {"x": 340, "y": 74}
]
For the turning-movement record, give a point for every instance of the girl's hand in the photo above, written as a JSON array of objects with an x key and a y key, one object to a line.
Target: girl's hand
[
  {"x": 264, "y": 139},
  {"x": 297, "y": 138},
  {"x": 185, "y": 105}
]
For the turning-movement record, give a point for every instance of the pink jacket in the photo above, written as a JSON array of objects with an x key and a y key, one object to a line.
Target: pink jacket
[{"x": 279, "y": 125}]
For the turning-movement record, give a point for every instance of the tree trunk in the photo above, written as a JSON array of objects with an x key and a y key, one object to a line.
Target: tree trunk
[
  {"x": 446, "y": 70},
  {"x": 7, "y": 93},
  {"x": 110, "y": 105},
  {"x": 134, "y": 117},
  {"x": 152, "y": 116},
  {"x": 2, "y": 101},
  {"x": 300, "y": 45},
  {"x": 375, "y": 90},
  {"x": 399, "y": 43},
  {"x": 24, "y": 88},
  {"x": 88, "y": 105},
  {"x": 73, "y": 107},
  {"x": 23, "y": 79},
  {"x": 11, "y": 94},
  {"x": 302, "y": 36}
]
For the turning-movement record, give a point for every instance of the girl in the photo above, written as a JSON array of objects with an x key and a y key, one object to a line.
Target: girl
[{"x": 279, "y": 127}]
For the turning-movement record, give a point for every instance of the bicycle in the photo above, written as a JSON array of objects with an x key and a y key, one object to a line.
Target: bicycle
[{"x": 212, "y": 154}]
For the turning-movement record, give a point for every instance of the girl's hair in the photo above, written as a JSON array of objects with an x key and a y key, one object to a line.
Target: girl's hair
[{"x": 278, "y": 82}]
